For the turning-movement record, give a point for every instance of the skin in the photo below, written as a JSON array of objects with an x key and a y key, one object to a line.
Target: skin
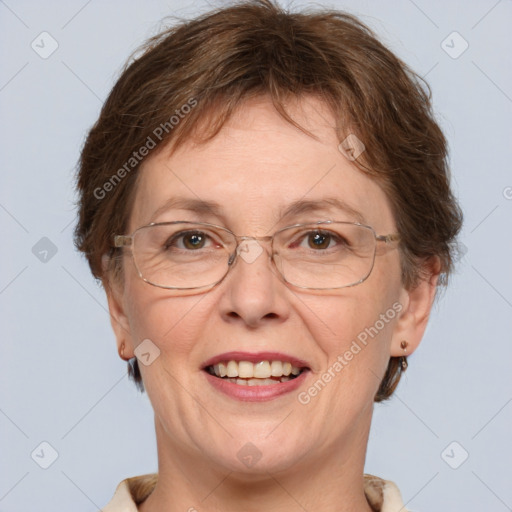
[{"x": 312, "y": 456}]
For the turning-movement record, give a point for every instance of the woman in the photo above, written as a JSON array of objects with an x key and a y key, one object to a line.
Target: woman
[{"x": 265, "y": 198}]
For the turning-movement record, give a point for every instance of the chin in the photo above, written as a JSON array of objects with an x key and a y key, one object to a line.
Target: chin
[{"x": 252, "y": 453}]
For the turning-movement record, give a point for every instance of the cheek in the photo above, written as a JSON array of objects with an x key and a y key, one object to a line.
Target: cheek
[
  {"x": 354, "y": 340},
  {"x": 354, "y": 329},
  {"x": 349, "y": 320},
  {"x": 173, "y": 324}
]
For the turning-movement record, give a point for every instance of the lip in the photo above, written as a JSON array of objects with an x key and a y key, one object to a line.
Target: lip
[
  {"x": 255, "y": 393},
  {"x": 255, "y": 357}
]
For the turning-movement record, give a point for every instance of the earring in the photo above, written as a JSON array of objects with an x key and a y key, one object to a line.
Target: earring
[
  {"x": 121, "y": 350},
  {"x": 403, "y": 359}
]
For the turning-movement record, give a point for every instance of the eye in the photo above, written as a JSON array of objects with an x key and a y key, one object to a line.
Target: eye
[
  {"x": 320, "y": 240},
  {"x": 188, "y": 240}
]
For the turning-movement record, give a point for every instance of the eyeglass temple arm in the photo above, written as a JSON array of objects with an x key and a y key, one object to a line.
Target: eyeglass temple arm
[
  {"x": 388, "y": 238},
  {"x": 122, "y": 240}
]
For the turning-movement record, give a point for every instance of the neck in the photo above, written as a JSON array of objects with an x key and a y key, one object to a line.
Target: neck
[{"x": 331, "y": 481}]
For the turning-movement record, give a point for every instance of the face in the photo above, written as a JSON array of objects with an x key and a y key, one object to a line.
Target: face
[{"x": 254, "y": 169}]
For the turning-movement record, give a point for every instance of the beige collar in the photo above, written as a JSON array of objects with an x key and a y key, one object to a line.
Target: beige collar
[{"x": 382, "y": 495}]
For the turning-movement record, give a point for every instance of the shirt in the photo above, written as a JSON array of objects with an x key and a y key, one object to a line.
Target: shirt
[{"x": 382, "y": 495}]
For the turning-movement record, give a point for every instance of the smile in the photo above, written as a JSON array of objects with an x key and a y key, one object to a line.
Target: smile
[
  {"x": 261, "y": 373},
  {"x": 255, "y": 377}
]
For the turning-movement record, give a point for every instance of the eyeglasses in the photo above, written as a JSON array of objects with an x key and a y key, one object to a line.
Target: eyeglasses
[{"x": 322, "y": 255}]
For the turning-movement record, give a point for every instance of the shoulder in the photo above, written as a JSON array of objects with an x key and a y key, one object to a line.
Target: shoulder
[
  {"x": 131, "y": 492},
  {"x": 382, "y": 495}
]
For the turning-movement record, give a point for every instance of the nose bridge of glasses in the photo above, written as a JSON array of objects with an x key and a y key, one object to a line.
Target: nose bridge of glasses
[
  {"x": 264, "y": 238},
  {"x": 249, "y": 248}
]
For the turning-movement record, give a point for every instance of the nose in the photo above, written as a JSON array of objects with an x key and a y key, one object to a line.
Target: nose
[{"x": 253, "y": 291}]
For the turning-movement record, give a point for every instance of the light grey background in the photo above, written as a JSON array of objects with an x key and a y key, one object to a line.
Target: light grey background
[{"x": 61, "y": 379}]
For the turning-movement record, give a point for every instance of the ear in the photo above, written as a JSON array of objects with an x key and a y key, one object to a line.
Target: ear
[
  {"x": 119, "y": 321},
  {"x": 417, "y": 304}
]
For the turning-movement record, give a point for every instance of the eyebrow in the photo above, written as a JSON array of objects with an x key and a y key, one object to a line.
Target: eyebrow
[
  {"x": 204, "y": 208},
  {"x": 199, "y": 206},
  {"x": 328, "y": 203}
]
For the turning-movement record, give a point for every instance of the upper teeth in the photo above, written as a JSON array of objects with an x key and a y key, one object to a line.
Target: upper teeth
[{"x": 260, "y": 370}]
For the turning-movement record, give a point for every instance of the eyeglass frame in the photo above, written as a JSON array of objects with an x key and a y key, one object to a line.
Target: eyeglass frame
[{"x": 121, "y": 241}]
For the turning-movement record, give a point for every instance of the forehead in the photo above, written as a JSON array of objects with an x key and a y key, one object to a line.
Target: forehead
[{"x": 257, "y": 167}]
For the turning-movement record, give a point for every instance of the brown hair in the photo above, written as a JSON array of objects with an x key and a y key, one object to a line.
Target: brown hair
[{"x": 190, "y": 79}]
